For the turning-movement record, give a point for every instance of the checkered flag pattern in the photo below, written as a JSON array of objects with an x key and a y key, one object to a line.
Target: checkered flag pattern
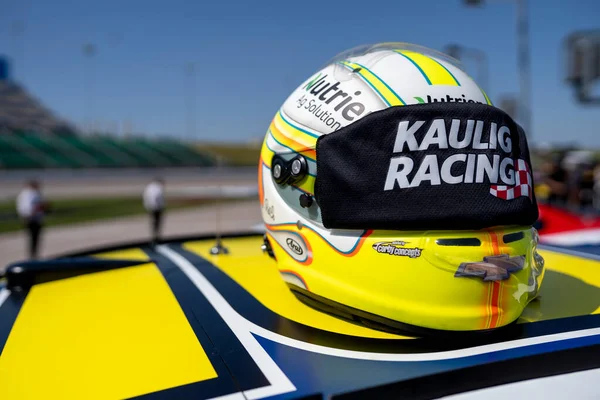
[{"x": 523, "y": 184}]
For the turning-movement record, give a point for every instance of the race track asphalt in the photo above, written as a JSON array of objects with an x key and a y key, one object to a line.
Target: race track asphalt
[
  {"x": 234, "y": 217},
  {"x": 125, "y": 182}
]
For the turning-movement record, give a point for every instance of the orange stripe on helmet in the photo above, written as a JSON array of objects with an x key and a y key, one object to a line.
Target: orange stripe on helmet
[
  {"x": 361, "y": 241},
  {"x": 356, "y": 249},
  {"x": 297, "y": 275},
  {"x": 487, "y": 307},
  {"x": 494, "y": 242},
  {"x": 495, "y": 314},
  {"x": 496, "y": 287},
  {"x": 261, "y": 189},
  {"x": 500, "y": 305},
  {"x": 294, "y": 145}
]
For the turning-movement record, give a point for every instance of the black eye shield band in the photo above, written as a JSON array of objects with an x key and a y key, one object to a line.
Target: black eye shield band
[{"x": 426, "y": 166}]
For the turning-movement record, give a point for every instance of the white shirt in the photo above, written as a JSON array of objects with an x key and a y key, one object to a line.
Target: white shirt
[
  {"x": 154, "y": 198},
  {"x": 29, "y": 204}
]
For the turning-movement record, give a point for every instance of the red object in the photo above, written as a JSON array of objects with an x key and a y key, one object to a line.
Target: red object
[
  {"x": 522, "y": 185},
  {"x": 555, "y": 220}
]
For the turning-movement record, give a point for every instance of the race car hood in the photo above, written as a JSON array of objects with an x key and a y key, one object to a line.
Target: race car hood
[{"x": 177, "y": 321}]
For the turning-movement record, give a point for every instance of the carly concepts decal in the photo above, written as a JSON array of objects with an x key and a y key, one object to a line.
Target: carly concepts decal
[
  {"x": 509, "y": 178},
  {"x": 396, "y": 248}
]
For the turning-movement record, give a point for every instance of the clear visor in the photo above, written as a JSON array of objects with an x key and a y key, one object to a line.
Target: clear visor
[{"x": 371, "y": 54}]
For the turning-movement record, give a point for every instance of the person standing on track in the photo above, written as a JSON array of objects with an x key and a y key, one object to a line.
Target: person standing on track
[
  {"x": 154, "y": 202},
  {"x": 31, "y": 208}
]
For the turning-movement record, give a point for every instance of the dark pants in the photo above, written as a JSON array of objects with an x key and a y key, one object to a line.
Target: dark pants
[
  {"x": 34, "y": 229},
  {"x": 156, "y": 224}
]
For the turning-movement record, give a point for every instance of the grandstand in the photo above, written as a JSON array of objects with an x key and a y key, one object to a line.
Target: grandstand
[
  {"x": 32, "y": 137},
  {"x": 32, "y": 150}
]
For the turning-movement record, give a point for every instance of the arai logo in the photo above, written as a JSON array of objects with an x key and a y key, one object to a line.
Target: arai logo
[{"x": 294, "y": 246}]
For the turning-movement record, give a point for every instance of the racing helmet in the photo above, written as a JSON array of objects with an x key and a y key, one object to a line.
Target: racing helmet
[{"x": 394, "y": 194}]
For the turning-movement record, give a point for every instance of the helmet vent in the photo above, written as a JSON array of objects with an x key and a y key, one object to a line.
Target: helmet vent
[
  {"x": 459, "y": 242},
  {"x": 513, "y": 237}
]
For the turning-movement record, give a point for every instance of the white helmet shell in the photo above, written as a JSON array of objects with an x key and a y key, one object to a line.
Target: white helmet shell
[{"x": 349, "y": 88}]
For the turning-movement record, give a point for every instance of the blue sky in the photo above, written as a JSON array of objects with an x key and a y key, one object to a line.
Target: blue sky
[{"x": 250, "y": 55}]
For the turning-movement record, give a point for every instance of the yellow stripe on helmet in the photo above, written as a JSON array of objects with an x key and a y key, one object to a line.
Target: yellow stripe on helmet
[
  {"x": 487, "y": 99},
  {"x": 307, "y": 184},
  {"x": 266, "y": 155},
  {"x": 302, "y": 136},
  {"x": 433, "y": 71},
  {"x": 386, "y": 93},
  {"x": 292, "y": 144}
]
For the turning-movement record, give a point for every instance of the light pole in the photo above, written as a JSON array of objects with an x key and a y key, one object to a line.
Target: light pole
[
  {"x": 460, "y": 52},
  {"x": 523, "y": 61},
  {"x": 190, "y": 109},
  {"x": 17, "y": 31},
  {"x": 89, "y": 51},
  {"x": 583, "y": 64}
]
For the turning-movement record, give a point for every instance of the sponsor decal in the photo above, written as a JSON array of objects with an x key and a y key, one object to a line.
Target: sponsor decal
[
  {"x": 492, "y": 268},
  {"x": 447, "y": 99},
  {"x": 396, "y": 248},
  {"x": 509, "y": 178},
  {"x": 327, "y": 101},
  {"x": 269, "y": 209},
  {"x": 294, "y": 246}
]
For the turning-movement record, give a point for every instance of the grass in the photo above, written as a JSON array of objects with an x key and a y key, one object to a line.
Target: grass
[{"x": 71, "y": 211}]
